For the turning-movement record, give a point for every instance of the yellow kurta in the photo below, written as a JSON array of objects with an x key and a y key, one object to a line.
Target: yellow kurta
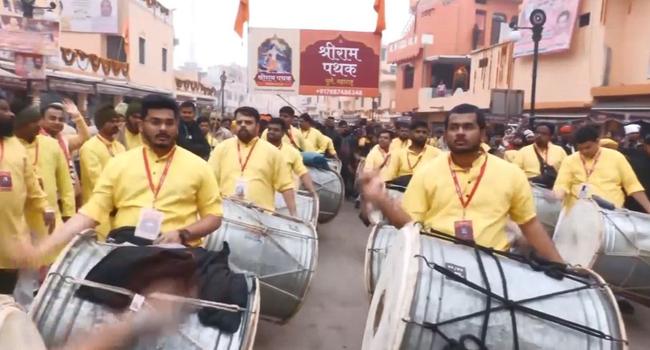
[
  {"x": 314, "y": 140},
  {"x": 132, "y": 140},
  {"x": 529, "y": 163},
  {"x": 397, "y": 145},
  {"x": 377, "y": 159},
  {"x": 20, "y": 193},
  {"x": 406, "y": 162},
  {"x": 189, "y": 191},
  {"x": 265, "y": 173},
  {"x": 611, "y": 179},
  {"x": 292, "y": 137},
  {"x": 293, "y": 159},
  {"x": 503, "y": 193}
]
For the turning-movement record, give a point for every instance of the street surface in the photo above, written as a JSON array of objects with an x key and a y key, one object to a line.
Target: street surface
[{"x": 334, "y": 314}]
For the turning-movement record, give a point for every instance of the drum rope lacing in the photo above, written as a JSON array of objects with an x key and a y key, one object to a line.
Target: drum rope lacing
[{"x": 551, "y": 269}]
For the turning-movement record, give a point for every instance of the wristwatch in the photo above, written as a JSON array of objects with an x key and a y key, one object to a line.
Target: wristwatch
[{"x": 184, "y": 236}]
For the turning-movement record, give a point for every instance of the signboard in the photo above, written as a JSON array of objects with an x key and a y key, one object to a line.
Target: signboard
[
  {"x": 90, "y": 16},
  {"x": 314, "y": 62},
  {"x": 334, "y": 63},
  {"x": 561, "y": 19},
  {"x": 30, "y": 66},
  {"x": 35, "y": 36},
  {"x": 274, "y": 60}
]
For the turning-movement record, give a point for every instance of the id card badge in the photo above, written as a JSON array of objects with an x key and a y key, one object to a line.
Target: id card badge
[
  {"x": 149, "y": 224},
  {"x": 240, "y": 187},
  {"x": 464, "y": 230},
  {"x": 6, "y": 184},
  {"x": 583, "y": 193}
]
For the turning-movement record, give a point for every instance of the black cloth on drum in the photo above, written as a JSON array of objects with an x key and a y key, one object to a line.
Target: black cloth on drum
[
  {"x": 399, "y": 183},
  {"x": 126, "y": 234},
  {"x": 137, "y": 268},
  {"x": 8, "y": 280}
]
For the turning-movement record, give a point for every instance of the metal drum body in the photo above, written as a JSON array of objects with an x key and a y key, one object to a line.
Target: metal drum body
[
  {"x": 306, "y": 205},
  {"x": 379, "y": 241},
  {"x": 17, "y": 331},
  {"x": 614, "y": 243},
  {"x": 331, "y": 190},
  {"x": 410, "y": 293},
  {"x": 60, "y": 315},
  {"x": 335, "y": 164},
  {"x": 548, "y": 207},
  {"x": 281, "y": 251}
]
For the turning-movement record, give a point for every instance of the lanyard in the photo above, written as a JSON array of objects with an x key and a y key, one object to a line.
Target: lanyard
[
  {"x": 163, "y": 176},
  {"x": 62, "y": 145},
  {"x": 545, "y": 153},
  {"x": 588, "y": 172},
  {"x": 108, "y": 145},
  {"x": 459, "y": 193},
  {"x": 412, "y": 167},
  {"x": 250, "y": 153}
]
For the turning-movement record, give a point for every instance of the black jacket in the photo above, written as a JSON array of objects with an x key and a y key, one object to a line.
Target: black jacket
[{"x": 191, "y": 138}]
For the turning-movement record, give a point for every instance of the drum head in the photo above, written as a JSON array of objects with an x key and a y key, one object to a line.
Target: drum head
[
  {"x": 17, "y": 331},
  {"x": 393, "y": 295},
  {"x": 579, "y": 234}
]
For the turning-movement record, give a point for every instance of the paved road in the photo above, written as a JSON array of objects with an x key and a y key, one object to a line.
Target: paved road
[{"x": 333, "y": 316}]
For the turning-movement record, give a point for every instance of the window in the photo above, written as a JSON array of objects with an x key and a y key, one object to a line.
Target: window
[
  {"x": 115, "y": 48},
  {"x": 409, "y": 75},
  {"x": 164, "y": 59},
  {"x": 478, "y": 34},
  {"x": 142, "y": 43},
  {"x": 497, "y": 20}
]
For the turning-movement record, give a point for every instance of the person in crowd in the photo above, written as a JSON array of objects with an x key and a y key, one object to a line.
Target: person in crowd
[
  {"x": 294, "y": 136},
  {"x": 313, "y": 139},
  {"x": 406, "y": 161},
  {"x": 130, "y": 136},
  {"x": 95, "y": 154},
  {"x": 535, "y": 159},
  {"x": 515, "y": 144},
  {"x": 348, "y": 156},
  {"x": 632, "y": 139},
  {"x": 640, "y": 161},
  {"x": 227, "y": 123},
  {"x": 277, "y": 128},
  {"x": 220, "y": 132},
  {"x": 331, "y": 132},
  {"x": 529, "y": 137},
  {"x": 566, "y": 139},
  {"x": 597, "y": 171},
  {"x": 250, "y": 168},
  {"x": 402, "y": 141},
  {"x": 150, "y": 188},
  {"x": 51, "y": 171},
  {"x": 204, "y": 125},
  {"x": 190, "y": 136},
  {"x": 20, "y": 193},
  {"x": 467, "y": 193},
  {"x": 379, "y": 156}
]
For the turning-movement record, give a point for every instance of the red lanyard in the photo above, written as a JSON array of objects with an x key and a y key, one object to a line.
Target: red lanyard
[
  {"x": 459, "y": 193},
  {"x": 108, "y": 145},
  {"x": 593, "y": 167},
  {"x": 412, "y": 167},
  {"x": 156, "y": 189},
  {"x": 243, "y": 165}
]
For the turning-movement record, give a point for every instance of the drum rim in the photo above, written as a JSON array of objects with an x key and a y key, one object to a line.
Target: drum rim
[
  {"x": 609, "y": 294},
  {"x": 368, "y": 259},
  {"x": 341, "y": 197},
  {"x": 249, "y": 341}
]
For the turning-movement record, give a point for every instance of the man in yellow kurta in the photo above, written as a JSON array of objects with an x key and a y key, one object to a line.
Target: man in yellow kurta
[
  {"x": 379, "y": 156},
  {"x": 51, "y": 170},
  {"x": 293, "y": 136},
  {"x": 20, "y": 193},
  {"x": 466, "y": 193},
  {"x": 595, "y": 170},
  {"x": 293, "y": 159},
  {"x": 250, "y": 168},
  {"x": 130, "y": 136},
  {"x": 313, "y": 139},
  {"x": 406, "y": 161},
  {"x": 553, "y": 155},
  {"x": 161, "y": 184},
  {"x": 402, "y": 141},
  {"x": 95, "y": 154}
]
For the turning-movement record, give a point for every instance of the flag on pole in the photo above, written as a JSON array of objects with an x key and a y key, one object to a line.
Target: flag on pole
[
  {"x": 125, "y": 38},
  {"x": 242, "y": 17},
  {"x": 380, "y": 8}
]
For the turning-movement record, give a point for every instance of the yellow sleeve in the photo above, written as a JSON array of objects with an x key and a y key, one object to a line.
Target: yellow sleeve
[
  {"x": 36, "y": 197},
  {"x": 299, "y": 167},
  {"x": 416, "y": 200},
  {"x": 369, "y": 164},
  {"x": 83, "y": 134},
  {"x": 631, "y": 183},
  {"x": 321, "y": 143},
  {"x": 209, "y": 195},
  {"x": 282, "y": 180},
  {"x": 563, "y": 180},
  {"x": 522, "y": 206},
  {"x": 393, "y": 167},
  {"x": 297, "y": 136},
  {"x": 213, "y": 162},
  {"x": 330, "y": 146},
  {"x": 100, "y": 203},
  {"x": 64, "y": 185}
]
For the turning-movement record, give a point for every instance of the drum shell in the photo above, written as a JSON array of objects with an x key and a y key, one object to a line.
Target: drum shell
[
  {"x": 306, "y": 205},
  {"x": 281, "y": 251},
  {"x": 335, "y": 164},
  {"x": 379, "y": 241},
  {"x": 331, "y": 190},
  {"x": 59, "y": 314},
  {"x": 548, "y": 208}
]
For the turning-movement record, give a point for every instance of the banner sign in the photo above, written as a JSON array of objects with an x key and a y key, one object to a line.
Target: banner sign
[
  {"x": 314, "y": 62},
  {"x": 30, "y": 66},
  {"x": 90, "y": 16},
  {"x": 561, "y": 19},
  {"x": 33, "y": 36}
]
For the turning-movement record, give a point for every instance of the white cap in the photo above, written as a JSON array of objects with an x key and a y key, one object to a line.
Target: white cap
[
  {"x": 528, "y": 133},
  {"x": 632, "y": 128}
]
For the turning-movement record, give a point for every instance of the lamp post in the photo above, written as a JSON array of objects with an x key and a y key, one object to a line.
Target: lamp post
[
  {"x": 537, "y": 19},
  {"x": 223, "y": 86}
]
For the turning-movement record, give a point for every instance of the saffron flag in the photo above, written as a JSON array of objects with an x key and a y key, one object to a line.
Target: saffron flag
[
  {"x": 380, "y": 8},
  {"x": 242, "y": 17}
]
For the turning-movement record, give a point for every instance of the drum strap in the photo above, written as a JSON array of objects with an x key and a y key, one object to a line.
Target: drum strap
[{"x": 505, "y": 301}]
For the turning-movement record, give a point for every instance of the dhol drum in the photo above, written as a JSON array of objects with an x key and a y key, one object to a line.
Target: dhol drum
[
  {"x": 379, "y": 241},
  {"x": 60, "y": 315},
  {"x": 330, "y": 189},
  {"x": 17, "y": 331},
  {"x": 282, "y": 251},
  {"x": 335, "y": 164},
  {"x": 434, "y": 292},
  {"x": 548, "y": 207},
  {"x": 306, "y": 204},
  {"x": 614, "y": 243}
]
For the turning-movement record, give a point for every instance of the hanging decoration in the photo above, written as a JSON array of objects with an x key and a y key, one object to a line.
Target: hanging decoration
[
  {"x": 83, "y": 60},
  {"x": 195, "y": 86}
]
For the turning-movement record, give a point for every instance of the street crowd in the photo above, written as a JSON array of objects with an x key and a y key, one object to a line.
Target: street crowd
[{"x": 161, "y": 169}]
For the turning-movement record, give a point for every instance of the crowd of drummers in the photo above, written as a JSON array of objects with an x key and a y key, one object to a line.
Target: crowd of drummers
[{"x": 162, "y": 169}]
